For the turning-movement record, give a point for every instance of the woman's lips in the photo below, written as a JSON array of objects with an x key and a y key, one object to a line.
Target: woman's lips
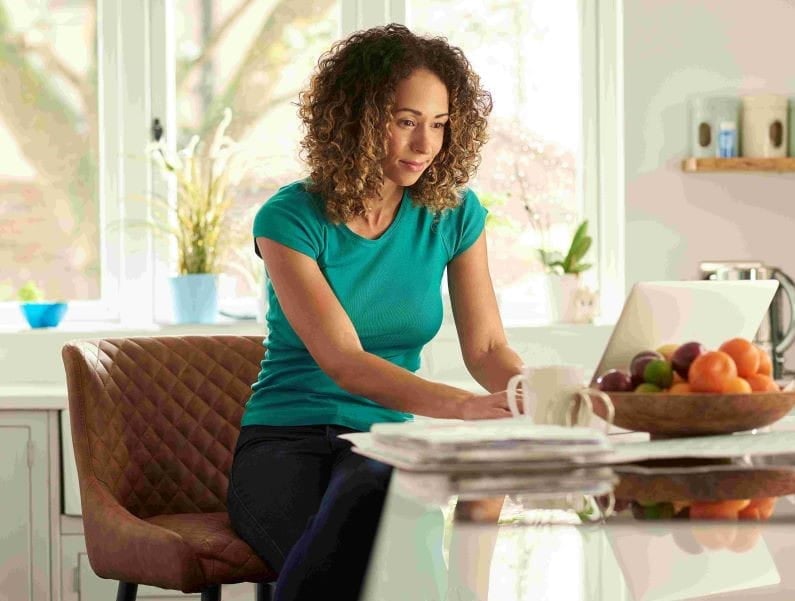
[{"x": 413, "y": 166}]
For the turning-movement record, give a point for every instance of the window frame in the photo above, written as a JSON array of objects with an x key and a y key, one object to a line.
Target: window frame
[{"x": 602, "y": 176}]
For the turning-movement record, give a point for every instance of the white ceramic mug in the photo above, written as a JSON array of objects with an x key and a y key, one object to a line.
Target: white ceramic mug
[{"x": 554, "y": 394}]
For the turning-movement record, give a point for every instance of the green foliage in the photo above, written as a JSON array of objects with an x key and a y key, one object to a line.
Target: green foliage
[
  {"x": 29, "y": 292},
  {"x": 496, "y": 219},
  {"x": 198, "y": 219},
  {"x": 556, "y": 262}
]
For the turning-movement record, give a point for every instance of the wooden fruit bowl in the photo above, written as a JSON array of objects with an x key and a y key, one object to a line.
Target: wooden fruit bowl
[
  {"x": 715, "y": 484},
  {"x": 670, "y": 415}
]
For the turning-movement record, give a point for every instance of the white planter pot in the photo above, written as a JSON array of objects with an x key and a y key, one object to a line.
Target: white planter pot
[{"x": 562, "y": 289}]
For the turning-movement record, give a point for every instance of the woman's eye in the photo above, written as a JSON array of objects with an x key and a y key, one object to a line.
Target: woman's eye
[
  {"x": 439, "y": 125},
  {"x": 407, "y": 122}
]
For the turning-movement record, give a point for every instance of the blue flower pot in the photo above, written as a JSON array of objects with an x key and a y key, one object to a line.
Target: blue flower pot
[
  {"x": 195, "y": 298},
  {"x": 43, "y": 315}
]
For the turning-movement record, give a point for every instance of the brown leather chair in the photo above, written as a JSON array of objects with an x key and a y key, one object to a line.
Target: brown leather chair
[{"x": 154, "y": 422}]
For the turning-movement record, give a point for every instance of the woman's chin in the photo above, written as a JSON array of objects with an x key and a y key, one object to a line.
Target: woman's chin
[{"x": 406, "y": 180}]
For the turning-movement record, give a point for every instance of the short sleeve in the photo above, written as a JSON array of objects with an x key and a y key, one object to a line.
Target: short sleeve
[
  {"x": 291, "y": 217},
  {"x": 464, "y": 224}
]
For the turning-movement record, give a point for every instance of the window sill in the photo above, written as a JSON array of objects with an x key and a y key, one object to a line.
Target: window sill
[{"x": 94, "y": 329}]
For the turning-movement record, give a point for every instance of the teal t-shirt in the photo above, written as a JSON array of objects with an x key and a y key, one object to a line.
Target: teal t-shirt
[{"x": 389, "y": 287}]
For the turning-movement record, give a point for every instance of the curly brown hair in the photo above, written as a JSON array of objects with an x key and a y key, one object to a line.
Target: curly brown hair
[{"x": 349, "y": 103}]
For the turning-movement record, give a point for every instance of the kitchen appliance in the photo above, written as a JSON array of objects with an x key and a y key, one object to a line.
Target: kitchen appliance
[{"x": 777, "y": 332}]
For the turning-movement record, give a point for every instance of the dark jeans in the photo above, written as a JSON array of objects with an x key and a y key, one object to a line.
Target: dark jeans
[{"x": 309, "y": 506}]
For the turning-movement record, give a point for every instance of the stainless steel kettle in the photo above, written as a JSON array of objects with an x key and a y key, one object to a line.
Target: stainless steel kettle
[{"x": 776, "y": 333}]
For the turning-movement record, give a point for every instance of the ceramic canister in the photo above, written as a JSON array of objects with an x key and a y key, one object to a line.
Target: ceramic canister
[
  {"x": 707, "y": 113},
  {"x": 764, "y": 126},
  {"x": 791, "y": 128}
]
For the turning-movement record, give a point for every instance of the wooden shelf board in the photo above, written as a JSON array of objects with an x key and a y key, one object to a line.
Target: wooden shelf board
[{"x": 694, "y": 164}]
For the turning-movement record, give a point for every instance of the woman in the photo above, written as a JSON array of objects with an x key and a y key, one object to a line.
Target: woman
[{"x": 355, "y": 256}]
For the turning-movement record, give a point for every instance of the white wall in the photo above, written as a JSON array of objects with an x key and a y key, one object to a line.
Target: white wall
[{"x": 675, "y": 49}]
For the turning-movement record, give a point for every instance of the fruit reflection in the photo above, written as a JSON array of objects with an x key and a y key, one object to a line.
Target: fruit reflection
[{"x": 726, "y": 533}]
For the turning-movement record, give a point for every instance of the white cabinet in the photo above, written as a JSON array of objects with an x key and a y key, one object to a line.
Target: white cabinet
[{"x": 25, "y": 520}]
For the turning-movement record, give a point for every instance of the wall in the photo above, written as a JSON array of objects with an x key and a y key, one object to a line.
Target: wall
[{"x": 673, "y": 50}]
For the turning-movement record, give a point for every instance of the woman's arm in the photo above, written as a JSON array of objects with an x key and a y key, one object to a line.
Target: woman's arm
[
  {"x": 483, "y": 344},
  {"x": 317, "y": 317}
]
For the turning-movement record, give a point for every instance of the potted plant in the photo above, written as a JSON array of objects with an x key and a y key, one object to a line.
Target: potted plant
[
  {"x": 38, "y": 312},
  {"x": 565, "y": 270},
  {"x": 196, "y": 219}
]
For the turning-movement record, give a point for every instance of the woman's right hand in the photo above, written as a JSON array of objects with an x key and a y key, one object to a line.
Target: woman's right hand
[{"x": 485, "y": 406}]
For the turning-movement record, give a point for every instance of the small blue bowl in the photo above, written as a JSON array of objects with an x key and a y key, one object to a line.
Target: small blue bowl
[{"x": 43, "y": 315}]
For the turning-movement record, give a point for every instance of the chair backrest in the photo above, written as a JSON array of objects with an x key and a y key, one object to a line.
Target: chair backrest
[{"x": 155, "y": 419}]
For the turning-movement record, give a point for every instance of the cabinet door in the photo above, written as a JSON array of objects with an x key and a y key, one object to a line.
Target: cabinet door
[{"x": 24, "y": 518}]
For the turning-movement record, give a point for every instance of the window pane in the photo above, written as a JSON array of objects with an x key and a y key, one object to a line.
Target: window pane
[
  {"x": 49, "y": 212},
  {"x": 253, "y": 56},
  {"x": 527, "y": 54}
]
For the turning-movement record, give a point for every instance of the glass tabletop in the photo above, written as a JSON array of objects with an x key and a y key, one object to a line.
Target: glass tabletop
[{"x": 652, "y": 531}]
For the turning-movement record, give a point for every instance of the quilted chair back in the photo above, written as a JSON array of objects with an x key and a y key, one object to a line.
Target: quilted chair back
[{"x": 155, "y": 419}]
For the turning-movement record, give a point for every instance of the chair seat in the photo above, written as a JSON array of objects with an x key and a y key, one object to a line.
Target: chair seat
[{"x": 223, "y": 557}]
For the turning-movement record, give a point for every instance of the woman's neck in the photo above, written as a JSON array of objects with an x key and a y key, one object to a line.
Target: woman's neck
[
  {"x": 379, "y": 214},
  {"x": 385, "y": 206}
]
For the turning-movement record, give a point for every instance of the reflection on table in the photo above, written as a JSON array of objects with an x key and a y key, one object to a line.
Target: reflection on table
[{"x": 653, "y": 531}]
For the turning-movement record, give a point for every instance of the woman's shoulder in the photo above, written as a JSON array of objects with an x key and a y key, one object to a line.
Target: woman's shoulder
[
  {"x": 293, "y": 217},
  {"x": 296, "y": 197},
  {"x": 461, "y": 225},
  {"x": 468, "y": 204}
]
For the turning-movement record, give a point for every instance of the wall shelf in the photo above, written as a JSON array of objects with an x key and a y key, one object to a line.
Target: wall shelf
[{"x": 694, "y": 164}]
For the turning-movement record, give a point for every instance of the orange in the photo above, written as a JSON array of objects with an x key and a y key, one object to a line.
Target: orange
[
  {"x": 680, "y": 388},
  {"x": 762, "y": 383},
  {"x": 737, "y": 385},
  {"x": 758, "y": 509},
  {"x": 727, "y": 507},
  {"x": 745, "y": 539},
  {"x": 744, "y": 353},
  {"x": 711, "y": 372},
  {"x": 715, "y": 536},
  {"x": 765, "y": 364},
  {"x": 717, "y": 510}
]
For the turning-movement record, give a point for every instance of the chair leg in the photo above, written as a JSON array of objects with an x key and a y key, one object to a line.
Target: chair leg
[
  {"x": 264, "y": 591},
  {"x": 212, "y": 593},
  {"x": 127, "y": 591}
]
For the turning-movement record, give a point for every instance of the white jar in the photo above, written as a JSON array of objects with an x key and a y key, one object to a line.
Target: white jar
[{"x": 764, "y": 126}]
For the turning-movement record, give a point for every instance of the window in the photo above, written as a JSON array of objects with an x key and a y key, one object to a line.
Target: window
[
  {"x": 554, "y": 156},
  {"x": 253, "y": 57},
  {"x": 49, "y": 144},
  {"x": 103, "y": 69},
  {"x": 529, "y": 173}
]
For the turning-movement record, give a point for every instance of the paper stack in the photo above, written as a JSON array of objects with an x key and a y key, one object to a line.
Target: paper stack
[{"x": 504, "y": 444}]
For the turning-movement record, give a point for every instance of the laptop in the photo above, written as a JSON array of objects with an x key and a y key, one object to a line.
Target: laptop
[{"x": 705, "y": 311}]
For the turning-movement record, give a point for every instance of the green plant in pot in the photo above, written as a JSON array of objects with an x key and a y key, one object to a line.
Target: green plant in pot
[
  {"x": 196, "y": 219},
  {"x": 565, "y": 270},
  {"x": 571, "y": 263},
  {"x": 38, "y": 312}
]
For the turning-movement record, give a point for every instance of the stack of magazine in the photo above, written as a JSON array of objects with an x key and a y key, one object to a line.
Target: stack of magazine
[
  {"x": 505, "y": 444},
  {"x": 477, "y": 458}
]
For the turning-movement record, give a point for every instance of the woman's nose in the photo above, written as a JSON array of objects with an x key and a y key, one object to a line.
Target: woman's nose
[{"x": 420, "y": 141}]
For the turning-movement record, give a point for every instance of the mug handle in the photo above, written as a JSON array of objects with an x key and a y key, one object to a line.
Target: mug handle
[
  {"x": 510, "y": 391},
  {"x": 585, "y": 395}
]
